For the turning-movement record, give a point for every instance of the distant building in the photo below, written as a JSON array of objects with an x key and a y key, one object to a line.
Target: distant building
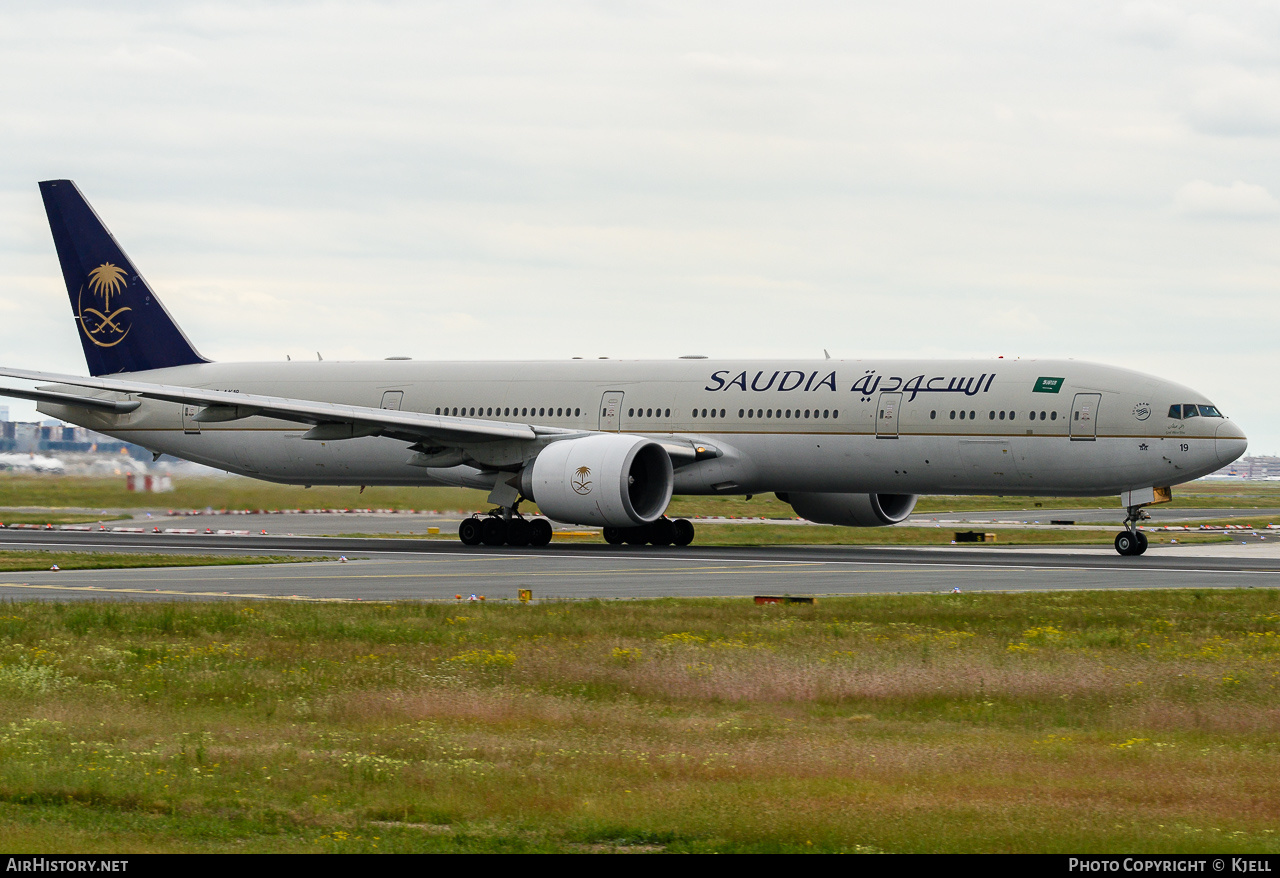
[
  {"x": 4, "y": 413},
  {"x": 1251, "y": 468},
  {"x": 55, "y": 436}
]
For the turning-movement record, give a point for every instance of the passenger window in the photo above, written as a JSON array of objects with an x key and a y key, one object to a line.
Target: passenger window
[
  {"x": 722, "y": 413},
  {"x": 962, "y": 416},
  {"x": 835, "y": 413},
  {"x": 1011, "y": 415},
  {"x": 437, "y": 410},
  {"x": 992, "y": 416},
  {"x": 953, "y": 416},
  {"x": 971, "y": 416},
  {"x": 1053, "y": 416},
  {"x": 1002, "y": 416},
  {"x": 741, "y": 413},
  {"x": 631, "y": 413},
  {"x": 933, "y": 415}
]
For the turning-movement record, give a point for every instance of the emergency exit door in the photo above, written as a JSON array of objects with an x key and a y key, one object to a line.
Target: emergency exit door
[
  {"x": 887, "y": 415},
  {"x": 1084, "y": 416},
  {"x": 611, "y": 411}
]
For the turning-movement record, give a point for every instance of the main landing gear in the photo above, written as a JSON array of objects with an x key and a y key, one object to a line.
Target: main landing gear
[
  {"x": 504, "y": 527},
  {"x": 663, "y": 532},
  {"x": 1132, "y": 541}
]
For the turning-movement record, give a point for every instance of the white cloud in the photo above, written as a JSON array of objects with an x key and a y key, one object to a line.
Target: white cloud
[
  {"x": 1235, "y": 102},
  {"x": 1240, "y": 200}
]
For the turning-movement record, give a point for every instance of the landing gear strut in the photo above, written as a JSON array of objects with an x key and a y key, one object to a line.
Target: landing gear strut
[
  {"x": 663, "y": 532},
  {"x": 504, "y": 526},
  {"x": 1132, "y": 541}
]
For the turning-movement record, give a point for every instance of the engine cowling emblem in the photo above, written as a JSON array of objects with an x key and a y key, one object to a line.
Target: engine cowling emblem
[{"x": 580, "y": 482}]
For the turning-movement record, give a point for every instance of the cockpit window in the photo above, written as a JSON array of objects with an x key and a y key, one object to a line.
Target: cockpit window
[
  {"x": 1208, "y": 411},
  {"x": 1175, "y": 411},
  {"x": 1189, "y": 410}
]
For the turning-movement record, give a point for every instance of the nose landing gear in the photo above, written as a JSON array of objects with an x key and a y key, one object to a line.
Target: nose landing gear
[{"x": 1132, "y": 541}]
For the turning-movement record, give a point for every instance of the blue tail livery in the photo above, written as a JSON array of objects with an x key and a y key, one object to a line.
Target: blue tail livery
[{"x": 123, "y": 325}]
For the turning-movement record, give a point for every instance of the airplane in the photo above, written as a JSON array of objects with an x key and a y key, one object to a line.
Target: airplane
[{"x": 608, "y": 442}]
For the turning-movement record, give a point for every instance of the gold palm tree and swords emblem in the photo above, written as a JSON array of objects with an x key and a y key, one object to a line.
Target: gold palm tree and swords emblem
[
  {"x": 101, "y": 326},
  {"x": 580, "y": 482}
]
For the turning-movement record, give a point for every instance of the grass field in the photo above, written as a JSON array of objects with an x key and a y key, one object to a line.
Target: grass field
[
  {"x": 1083, "y": 722},
  {"x": 233, "y": 492},
  {"x": 16, "y": 561}
]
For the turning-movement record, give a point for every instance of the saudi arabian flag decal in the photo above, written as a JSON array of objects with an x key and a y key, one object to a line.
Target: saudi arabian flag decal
[{"x": 1048, "y": 385}]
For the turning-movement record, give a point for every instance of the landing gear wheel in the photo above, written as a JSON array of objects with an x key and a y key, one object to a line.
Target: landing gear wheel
[
  {"x": 518, "y": 532},
  {"x": 539, "y": 532},
  {"x": 1126, "y": 544},
  {"x": 662, "y": 532},
  {"x": 470, "y": 532},
  {"x": 1142, "y": 543},
  {"x": 493, "y": 531},
  {"x": 683, "y": 534},
  {"x": 636, "y": 536},
  {"x": 613, "y": 536}
]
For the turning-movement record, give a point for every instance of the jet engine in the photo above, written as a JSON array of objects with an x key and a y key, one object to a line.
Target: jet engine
[
  {"x": 852, "y": 510},
  {"x": 606, "y": 479}
]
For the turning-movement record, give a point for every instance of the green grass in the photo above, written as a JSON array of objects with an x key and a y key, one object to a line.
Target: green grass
[
  {"x": 8, "y": 518},
  {"x": 15, "y": 561},
  {"x": 1079, "y": 722},
  {"x": 230, "y": 492}
]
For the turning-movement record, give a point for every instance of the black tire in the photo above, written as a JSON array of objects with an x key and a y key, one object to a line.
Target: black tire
[
  {"x": 518, "y": 532},
  {"x": 1125, "y": 544},
  {"x": 539, "y": 532},
  {"x": 469, "y": 532},
  {"x": 683, "y": 531},
  {"x": 613, "y": 536},
  {"x": 636, "y": 536},
  {"x": 1142, "y": 543},
  {"x": 493, "y": 531},
  {"x": 662, "y": 532}
]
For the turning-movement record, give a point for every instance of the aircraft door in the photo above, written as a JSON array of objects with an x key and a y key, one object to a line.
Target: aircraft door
[
  {"x": 1084, "y": 416},
  {"x": 189, "y": 424},
  {"x": 887, "y": 415},
  {"x": 611, "y": 411},
  {"x": 391, "y": 400}
]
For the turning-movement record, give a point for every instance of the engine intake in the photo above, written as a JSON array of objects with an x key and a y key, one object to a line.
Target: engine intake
[
  {"x": 853, "y": 510},
  {"x": 605, "y": 479}
]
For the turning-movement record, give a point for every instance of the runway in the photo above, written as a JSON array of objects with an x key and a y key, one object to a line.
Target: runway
[{"x": 400, "y": 569}]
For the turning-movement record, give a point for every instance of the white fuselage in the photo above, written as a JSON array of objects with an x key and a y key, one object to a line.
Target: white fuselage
[{"x": 848, "y": 426}]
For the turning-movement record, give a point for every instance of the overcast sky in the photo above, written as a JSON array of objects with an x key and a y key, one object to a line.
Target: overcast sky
[{"x": 509, "y": 180}]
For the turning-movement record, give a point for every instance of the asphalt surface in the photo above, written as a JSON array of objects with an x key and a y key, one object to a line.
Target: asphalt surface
[{"x": 407, "y": 569}]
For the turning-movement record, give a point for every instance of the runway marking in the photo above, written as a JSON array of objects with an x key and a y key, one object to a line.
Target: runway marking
[{"x": 368, "y": 576}]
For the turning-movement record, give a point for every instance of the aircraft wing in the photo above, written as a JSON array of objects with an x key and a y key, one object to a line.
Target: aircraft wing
[{"x": 328, "y": 420}]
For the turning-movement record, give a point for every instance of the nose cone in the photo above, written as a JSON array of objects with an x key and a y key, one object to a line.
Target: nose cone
[{"x": 1230, "y": 442}]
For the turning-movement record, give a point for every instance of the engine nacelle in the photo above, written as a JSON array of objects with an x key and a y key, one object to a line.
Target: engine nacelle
[
  {"x": 853, "y": 510},
  {"x": 607, "y": 479}
]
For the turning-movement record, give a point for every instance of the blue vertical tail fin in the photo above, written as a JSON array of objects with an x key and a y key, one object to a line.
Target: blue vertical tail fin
[{"x": 122, "y": 325}]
